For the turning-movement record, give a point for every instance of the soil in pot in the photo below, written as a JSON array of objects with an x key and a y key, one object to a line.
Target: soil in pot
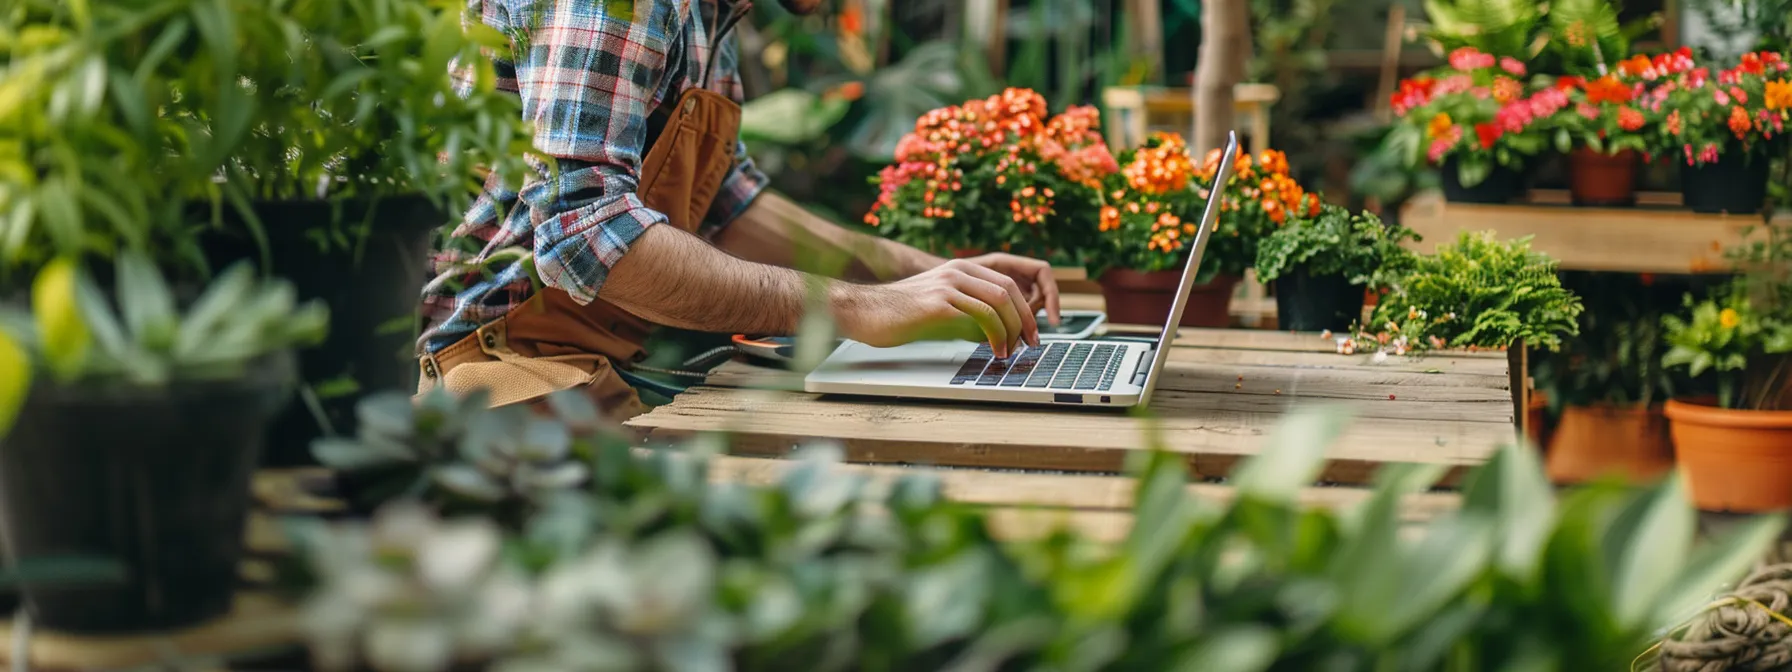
[
  {"x": 373, "y": 292},
  {"x": 1144, "y": 297},
  {"x": 1734, "y": 460},
  {"x": 1305, "y": 302},
  {"x": 155, "y": 479},
  {"x": 1591, "y": 442},
  {"x": 1501, "y": 186},
  {"x": 1736, "y": 184},
  {"x": 1596, "y": 179}
]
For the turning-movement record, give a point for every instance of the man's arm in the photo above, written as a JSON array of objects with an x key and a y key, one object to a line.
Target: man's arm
[{"x": 773, "y": 230}]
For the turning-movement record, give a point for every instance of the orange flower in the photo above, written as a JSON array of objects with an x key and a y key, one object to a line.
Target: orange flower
[
  {"x": 1607, "y": 89},
  {"x": 1274, "y": 161},
  {"x": 1507, "y": 89},
  {"x": 1779, "y": 95},
  {"x": 1739, "y": 121},
  {"x": 1674, "y": 123},
  {"x": 1439, "y": 126},
  {"x": 1629, "y": 119}
]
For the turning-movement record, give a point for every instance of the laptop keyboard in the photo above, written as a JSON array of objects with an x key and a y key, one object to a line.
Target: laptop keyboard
[{"x": 1057, "y": 365}]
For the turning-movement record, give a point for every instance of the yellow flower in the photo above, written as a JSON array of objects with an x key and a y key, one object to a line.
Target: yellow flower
[
  {"x": 1779, "y": 95},
  {"x": 1439, "y": 125},
  {"x": 1728, "y": 318}
]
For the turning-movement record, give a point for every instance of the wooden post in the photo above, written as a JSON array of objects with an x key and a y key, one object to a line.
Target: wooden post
[
  {"x": 1226, "y": 45},
  {"x": 1390, "y": 62},
  {"x": 1518, "y": 365}
]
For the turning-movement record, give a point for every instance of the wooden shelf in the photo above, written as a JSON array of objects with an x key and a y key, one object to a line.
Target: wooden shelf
[{"x": 1641, "y": 239}]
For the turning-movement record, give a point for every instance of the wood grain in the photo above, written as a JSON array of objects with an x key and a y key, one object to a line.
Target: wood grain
[
  {"x": 1636, "y": 240},
  {"x": 772, "y": 422}
]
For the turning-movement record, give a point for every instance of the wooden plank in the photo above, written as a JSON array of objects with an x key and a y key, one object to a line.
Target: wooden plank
[
  {"x": 772, "y": 422},
  {"x": 1636, "y": 240},
  {"x": 258, "y": 621},
  {"x": 1648, "y": 199},
  {"x": 1071, "y": 491}
]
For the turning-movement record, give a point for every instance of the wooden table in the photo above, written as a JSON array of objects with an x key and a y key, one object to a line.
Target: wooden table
[{"x": 1223, "y": 392}]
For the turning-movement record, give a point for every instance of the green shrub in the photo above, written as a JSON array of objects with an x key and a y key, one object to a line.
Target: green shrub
[{"x": 1474, "y": 293}]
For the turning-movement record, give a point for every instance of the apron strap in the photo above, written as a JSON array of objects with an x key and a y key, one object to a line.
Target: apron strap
[{"x": 736, "y": 11}]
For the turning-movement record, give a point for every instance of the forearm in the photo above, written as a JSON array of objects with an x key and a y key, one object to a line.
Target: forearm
[
  {"x": 776, "y": 231},
  {"x": 673, "y": 278}
]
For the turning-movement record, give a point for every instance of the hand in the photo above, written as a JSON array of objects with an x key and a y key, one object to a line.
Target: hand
[
  {"x": 957, "y": 299},
  {"x": 1032, "y": 275}
]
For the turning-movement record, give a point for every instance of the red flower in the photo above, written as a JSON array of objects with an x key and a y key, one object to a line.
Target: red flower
[
  {"x": 1608, "y": 89},
  {"x": 1488, "y": 133}
]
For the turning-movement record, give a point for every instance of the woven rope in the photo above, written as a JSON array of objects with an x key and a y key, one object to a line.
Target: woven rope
[{"x": 1743, "y": 634}]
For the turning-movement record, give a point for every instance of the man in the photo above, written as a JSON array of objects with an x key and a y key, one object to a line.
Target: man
[{"x": 654, "y": 214}]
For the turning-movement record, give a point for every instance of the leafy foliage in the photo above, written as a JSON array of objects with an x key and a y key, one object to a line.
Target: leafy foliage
[
  {"x": 1741, "y": 109},
  {"x": 651, "y": 566},
  {"x": 1744, "y": 347},
  {"x": 1616, "y": 358},
  {"x": 1474, "y": 293},
  {"x": 141, "y": 335},
  {"x": 1335, "y": 242},
  {"x": 121, "y": 114}
]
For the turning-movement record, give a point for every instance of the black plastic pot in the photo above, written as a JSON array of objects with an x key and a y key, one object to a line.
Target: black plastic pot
[
  {"x": 373, "y": 294},
  {"x": 154, "y": 479},
  {"x": 1736, "y": 184},
  {"x": 1305, "y": 302},
  {"x": 1501, "y": 186}
]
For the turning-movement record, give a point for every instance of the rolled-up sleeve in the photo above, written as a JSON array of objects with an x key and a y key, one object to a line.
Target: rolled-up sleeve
[{"x": 588, "y": 77}]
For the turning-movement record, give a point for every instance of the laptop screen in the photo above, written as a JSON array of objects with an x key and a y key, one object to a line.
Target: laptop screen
[{"x": 1209, "y": 219}]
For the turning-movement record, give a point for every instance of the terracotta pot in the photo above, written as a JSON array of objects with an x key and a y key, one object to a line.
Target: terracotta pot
[
  {"x": 1594, "y": 441},
  {"x": 1141, "y": 297},
  {"x": 1597, "y": 179},
  {"x": 1733, "y": 460},
  {"x": 1534, "y": 418}
]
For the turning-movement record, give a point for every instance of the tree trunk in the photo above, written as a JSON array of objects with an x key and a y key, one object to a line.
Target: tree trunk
[{"x": 1225, "y": 48}]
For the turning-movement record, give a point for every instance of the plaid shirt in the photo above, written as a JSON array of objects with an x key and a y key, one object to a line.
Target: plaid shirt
[{"x": 589, "y": 78}]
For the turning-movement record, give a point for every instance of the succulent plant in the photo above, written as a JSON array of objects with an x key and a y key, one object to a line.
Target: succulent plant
[
  {"x": 655, "y": 568},
  {"x": 459, "y": 449}
]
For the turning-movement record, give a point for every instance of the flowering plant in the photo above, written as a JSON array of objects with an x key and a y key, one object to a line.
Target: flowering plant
[
  {"x": 996, "y": 174},
  {"x": 1474, "y": 293},
  {"x": 1150, "y": 208},
  {"x": 1739, "y": 109},
  {"x": 1729, "y": 336},
  {"x": 1476, "y": 111},
  {"x": 1621, "y": 110}
]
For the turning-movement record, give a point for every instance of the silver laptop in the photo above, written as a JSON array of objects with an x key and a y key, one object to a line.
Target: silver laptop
[{"x": 1118, "y": 373}]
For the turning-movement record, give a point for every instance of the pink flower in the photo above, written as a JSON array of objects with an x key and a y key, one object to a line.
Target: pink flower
[
  {"x": 1510, "y": 64},
  {"x": 1587, "y": 111},
  {"x": 1443, "y": 144},
  {"x": 1547, "y": 102},
  {"x": 1481, "y": 92},
  {"x": 1740, "y": 95},
  {"x": 1453, "y": 84},
  {"x": 1468, "y": 58},
  {"x": 1721, "y": 97}
]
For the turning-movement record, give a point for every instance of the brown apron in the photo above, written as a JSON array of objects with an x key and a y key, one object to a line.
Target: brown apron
[{"x": 550, "y": 342}]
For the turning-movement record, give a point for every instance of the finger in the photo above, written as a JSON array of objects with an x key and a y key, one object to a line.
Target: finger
[
  {"x": 989, "y": 292},
  {"x": 1047, "y": 285},
  {"x": 985, "y": 317},
  {"x": 1028, "y": 327}
]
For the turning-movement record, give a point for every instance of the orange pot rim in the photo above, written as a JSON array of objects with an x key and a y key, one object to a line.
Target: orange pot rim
[
  {"x": 1608, "y": 407},
  {"x": 1692, "y": 411}
]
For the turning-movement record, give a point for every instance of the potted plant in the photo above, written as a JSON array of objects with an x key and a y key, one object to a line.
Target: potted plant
[
  {"x": 1606, "y": 129},
  {"x": 140, "y": 426},
  {"x": 1321, "y": 265},
  {"x": 1724, "y": 128},
  {"x": 1149, "y": 211},
  {"x": 1733, "y": 448},
  {"x": 1607, "y": 383},
  {"x": 324, "y": 140},
  {"x": 1474, "y": 293},
  {"x": 996, "y": 174},
  {"x": 1476, "y": 121}
]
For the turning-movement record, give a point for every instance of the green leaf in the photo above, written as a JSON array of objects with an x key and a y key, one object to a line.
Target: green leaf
[
  {"x": 56, "y": 303},
  {"x": 1512, "y": 490},
  {"x": 1720, "y": 560},
  {"x": 146, "y": 301},
  {"x": 1646, "y": 546},
  {"x": 1240, "y": 648},
  {"x": 15, "y": 380},
  {"x": 1293, "y": 455}
]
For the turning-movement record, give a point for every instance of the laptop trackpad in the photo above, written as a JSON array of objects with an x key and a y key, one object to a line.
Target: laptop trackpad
[{"x": 927, "y": 357}]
